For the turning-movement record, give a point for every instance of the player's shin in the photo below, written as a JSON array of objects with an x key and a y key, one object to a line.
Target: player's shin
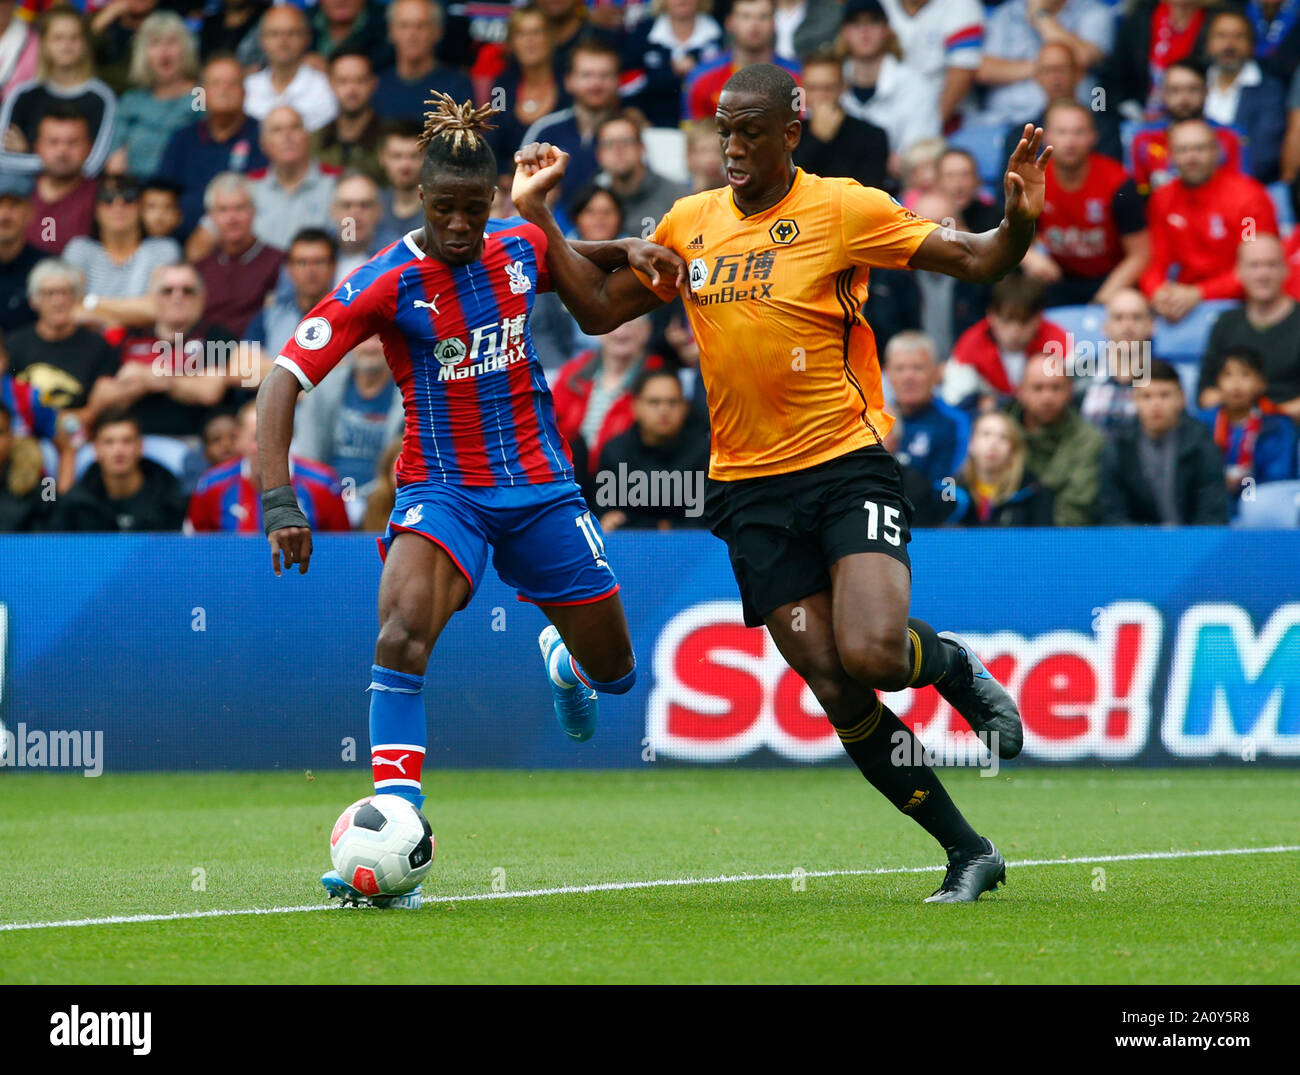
[
  {"x": 889, "y": 756},
  {"x": 398, "y": 734},
  {"x": 931, "y": 657}
]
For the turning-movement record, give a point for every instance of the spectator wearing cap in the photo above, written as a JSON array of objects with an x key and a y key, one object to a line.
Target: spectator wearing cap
[
  {"x": 1197, "y": 221},
  {"x": 665, "y": 49},
  {"x": 294, "y": 191},
  {"x": 164, "y": 65},
  {"x": 242, "y": 270},
  {"x": 350, "y": 141},
  {"x": 934, "y": 434},
  {"x": 994, "y": 486},
  {"x": 287, "y": 78},
  {"x": 70, "y": 365},
  {"x": 1109, "y": 402},
  {"x": 1182, "y": 96},
  {"x": 17, "y": 256},
  {"x": 1092, "y": 236},
  {"x": 1057, "y": 73},
  {"x": 592, "y": 82},
  {"x": 65, "y": 76},
  {"x": 751, "y": 34},
  {"x": 310, "y": 263},
  {"x": 661, "y": 451},
  {"x": 121, "y": 490},
  {"x": 1240, "y": 95},
  {"x": 1258, "y": 443},
  {"x": 1268, "y": 323},
  {"x": 879, "y": 87},
  {"x": 224, "y": 139},
  {"x": 646, "y": 195},
  {"x": 63, "y": 204},
  {"x": 414, "y": 30},
  {"x": 1063, "y": 450},
  {"x": 1017, "y": 31},
  {"x": 401, "y": 156},
  {"x": 834, "y": 143},
  {"x": 1163, "y": 467},
  {"x": 116, "y": 258}
]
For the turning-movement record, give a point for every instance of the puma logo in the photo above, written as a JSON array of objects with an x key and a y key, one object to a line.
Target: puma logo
[
  {"x": 420, "y": 304},
  {"x": 351, "y": 291},
  {"x": 395, "y": 763}
]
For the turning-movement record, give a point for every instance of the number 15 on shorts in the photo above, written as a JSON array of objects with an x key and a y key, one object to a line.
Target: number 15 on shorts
[{"x": 892, "y": 533}]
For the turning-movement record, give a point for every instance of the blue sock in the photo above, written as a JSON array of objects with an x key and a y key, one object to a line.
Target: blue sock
[
  {"x": 398, "y": 734},
  {"x": 563, "y": 669}
]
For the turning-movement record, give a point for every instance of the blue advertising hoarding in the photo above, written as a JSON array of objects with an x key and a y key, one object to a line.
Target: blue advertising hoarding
[{"x": 1122, "y": 647}]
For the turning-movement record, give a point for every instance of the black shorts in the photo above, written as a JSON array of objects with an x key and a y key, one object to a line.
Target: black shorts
[{"x": 783, "y": 532}]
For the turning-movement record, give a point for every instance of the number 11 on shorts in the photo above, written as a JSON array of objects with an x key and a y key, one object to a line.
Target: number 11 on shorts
[
  {"x": 587, "y": 525},
  {"x": 892, "y": 533}
]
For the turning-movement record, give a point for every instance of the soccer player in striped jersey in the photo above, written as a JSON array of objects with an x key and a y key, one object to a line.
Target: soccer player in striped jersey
[
  {"x": 801, "y": 487},
  {"x": 482, "y": 465}
]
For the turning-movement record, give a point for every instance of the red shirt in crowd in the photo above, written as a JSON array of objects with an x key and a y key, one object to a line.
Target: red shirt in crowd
[
  {"x": 1152, "y": 167},
  {"x": 226, "y": 499},
  {"x": 1195, "y": 232},
  {"x": 1082, "y": 228},
  {"x": 976, "y": 347},
  {"x": 73, "y": 214},
  {"x": 572, "y": 391}
]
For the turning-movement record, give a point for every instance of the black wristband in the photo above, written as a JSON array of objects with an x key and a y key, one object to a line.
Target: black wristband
[{"x": 280, "y": 509}]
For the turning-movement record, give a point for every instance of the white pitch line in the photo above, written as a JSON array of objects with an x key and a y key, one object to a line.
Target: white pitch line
[{"x": 667, "y": 882}]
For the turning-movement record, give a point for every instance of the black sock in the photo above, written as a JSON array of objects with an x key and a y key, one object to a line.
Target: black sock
[
  {"x": 932, "y": 657},
  {"x": 887, "y": 752}
]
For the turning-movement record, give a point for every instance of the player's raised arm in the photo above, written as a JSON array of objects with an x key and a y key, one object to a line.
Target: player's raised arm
[
  {"x": 988, "y": 256},
  {"x": 600, "y": 301}
]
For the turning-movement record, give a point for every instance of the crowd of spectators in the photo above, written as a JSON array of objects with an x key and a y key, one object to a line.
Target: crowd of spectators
[{"x": 182, "y": 180}]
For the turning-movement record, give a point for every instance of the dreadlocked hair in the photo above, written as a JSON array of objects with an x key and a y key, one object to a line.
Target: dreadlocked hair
[{"x": 455, "y": 136}]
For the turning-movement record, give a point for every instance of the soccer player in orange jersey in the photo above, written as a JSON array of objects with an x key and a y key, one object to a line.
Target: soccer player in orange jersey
[{"x": 801, "y": 488}]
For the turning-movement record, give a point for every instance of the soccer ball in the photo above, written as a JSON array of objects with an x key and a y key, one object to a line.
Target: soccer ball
[{"x": 382, "y": 845}]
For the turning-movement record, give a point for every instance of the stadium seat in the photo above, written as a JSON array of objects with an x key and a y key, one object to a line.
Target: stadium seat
[
  {"x": 1281, "y": 195},
  {"x": 1276, "y": 505},
  {"x": 1185, "y": 340},
  {"x": 983, "y": 141},
  {"x": 165, "y": 451},
  {"x": 665, "y": 153},
  {"x": 1083, "y": 322}
]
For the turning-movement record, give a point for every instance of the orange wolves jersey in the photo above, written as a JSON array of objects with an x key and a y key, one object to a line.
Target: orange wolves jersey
[{"x": 775, "y": 302}]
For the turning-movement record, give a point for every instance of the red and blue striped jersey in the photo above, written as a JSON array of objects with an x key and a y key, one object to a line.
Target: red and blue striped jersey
[
  {"x": 226, "y": 500},
  {"x": 28, "y": 415},
  {"x": 478, "y": 409}
]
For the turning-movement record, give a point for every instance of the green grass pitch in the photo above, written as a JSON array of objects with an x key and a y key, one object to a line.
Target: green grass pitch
[{"x": 123, "y": 845}]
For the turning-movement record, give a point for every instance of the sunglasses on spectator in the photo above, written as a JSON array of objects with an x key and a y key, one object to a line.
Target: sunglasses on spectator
[{"x": 108, "y": 195}]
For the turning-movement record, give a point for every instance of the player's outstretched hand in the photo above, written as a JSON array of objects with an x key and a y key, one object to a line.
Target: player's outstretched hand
[
  {"x": 539, "y": 167},
  {"x": 664, "y": 267},
  {"x": 295, "y": 543},
  {"x": 1025, "y": 182}
]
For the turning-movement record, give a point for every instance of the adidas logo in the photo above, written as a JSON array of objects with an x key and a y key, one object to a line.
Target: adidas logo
[{"x": 697, "y": 243}]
